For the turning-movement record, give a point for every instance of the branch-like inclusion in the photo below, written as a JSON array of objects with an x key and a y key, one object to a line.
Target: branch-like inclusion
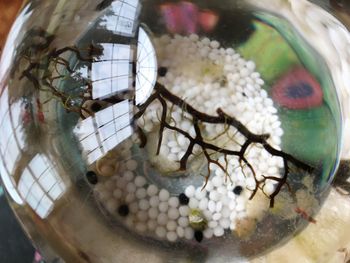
[{"x": 163, "y": 95}]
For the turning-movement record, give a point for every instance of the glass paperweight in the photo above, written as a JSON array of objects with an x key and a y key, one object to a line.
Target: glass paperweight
[{"x": 177, "y": 131}]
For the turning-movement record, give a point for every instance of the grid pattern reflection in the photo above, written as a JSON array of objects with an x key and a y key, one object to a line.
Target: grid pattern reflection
[{"x": 107, "y": 129}]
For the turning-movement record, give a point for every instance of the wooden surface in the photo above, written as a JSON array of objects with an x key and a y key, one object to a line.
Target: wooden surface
[{"x": 9, "y": 9}]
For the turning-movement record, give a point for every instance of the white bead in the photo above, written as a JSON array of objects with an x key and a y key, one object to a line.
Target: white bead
[
  {"x": 207, "y": 214},
  {"x": 163, "y": 207},
  {"x": 153, "y": 213},
  {"x": 134, "y": 207},
  {"x": 190, "y": 191},
  {"x": 216, "y": 216},
  {"x": 171, "y": 225},
  {"x": 131, "y": 187},
  {"x": 193, "y": 204},
  {"x": 225, "y": 212},
  {"x": 214, "y": 195},
  {"x": 233, "y": 215},
  {"x": 218, "y": 207},
  {"x": 117, "y": 193},
  {"x": 130, "y": 198},
  {"x": 213, "y": 224},
  {"x": 121, "y": 183},
  {"x": 173, "y": 201},
  {"x": 131, "y": 165},
  {"x": 164, "y": 195},
  {"x": 162, "y": 219},
  {"x": 128, "y": 176},
  {"x": 189, "y": 233},
  {"x": 142, "y": 216},
  {"x": 225, "y": 223},
  {"x": 140, "y": 181},
  {"x": 212, "y": 206},
  {"x": 144, "y": 204},
  {"x": 208, "y": 233},
  {"x": 203, "y": 204},
  {"x": 183, "y": 221},
  {"x": 161, "y": 232},
  {"x": 180, "y": 231},
  {"x": 130, "y": 221},
  {"x": 171, "y": 236},
  {"x": 200, "y": 194},
  {"x": 154, "y": 201},
  {"x": 141, "y": 193},
  {"x": 173, "y": 213},
  {"x": 184, "y": 210},
  {"x": 152, "y": 190},
  {"x": 218, "y": 231},
  {"x": 152, "y": 225}
]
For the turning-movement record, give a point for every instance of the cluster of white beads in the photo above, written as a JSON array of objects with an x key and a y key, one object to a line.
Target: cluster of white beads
[{"x": 208, "y": 77}]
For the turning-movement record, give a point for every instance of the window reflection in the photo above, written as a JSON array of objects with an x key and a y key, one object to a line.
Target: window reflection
[
  {"x": 121, "y": 17},
  {"x": 113, "y": 72},
  {"x": 146, "y": 68},
  {"x": 101, "y": 133},
  {"x": 40, "y": 185}
]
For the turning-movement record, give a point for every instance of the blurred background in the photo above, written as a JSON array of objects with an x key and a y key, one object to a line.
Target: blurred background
[{"x": 14, "y": 245}]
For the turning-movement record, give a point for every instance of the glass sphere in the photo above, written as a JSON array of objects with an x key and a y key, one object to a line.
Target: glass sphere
[{"x": 202, "y": 131}]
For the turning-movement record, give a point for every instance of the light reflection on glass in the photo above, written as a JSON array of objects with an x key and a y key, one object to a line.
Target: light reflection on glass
[
  {"x": 123, "y": 17},
  {"x": 101, "y": 133},
  {"x": 40, "y": 185}
]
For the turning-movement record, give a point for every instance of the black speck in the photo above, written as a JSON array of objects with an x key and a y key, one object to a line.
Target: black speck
[
  {"x": 123, "y": 210},
  {"x": 238, "y": 190},
  {"x": 95, "y": 107},
  {"x": 91, "y": 177},
  {"x": 244, "y": 95},
  {"x": 198, "y": 235},
  {"x": 162, "y": 71},
  {"x": 184, "y": 200},
  {"x": 134, "y": 83}
]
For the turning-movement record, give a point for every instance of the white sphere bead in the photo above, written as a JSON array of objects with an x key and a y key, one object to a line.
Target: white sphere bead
[
  {"x": 171, "y": 236},
  {"x": 173, "y": 202},
  {"x": 214, "y": 195},
  {"x": 111, "y": 205},
  {"x": 144, "y": 204},
  {"x": 193, "y": 204},
  {"x": 173, "y": 213},
  {"x": 117, "y": 194},
  {"x": 142, "y": 216},
  {"x": 183, "y": 221},
  {"x": 211, "y": 206},
  {"x": 218, "y": 231},
  {"x": 213, "y": 224},
  {"x": 233, "y": 215},
  {"x": 189, "y": 233},
  {"x": 164, "y": 195},
  {"x": 203, "y": 204},
  {"x": 152, "y": 190},
  {"x": 184, "y": 210},
  {"x": 131, "y": 187},
  {"x": 130, "y": 197},
  {"x": 154, "y": 201},
  {"x": 128, "y": 176},
  {"x": 133, "y": 207},
  {"x": 200, "y": 193},
  {"x": 141, "y": 193},
  {"x": 171, "y": 225},
  {"x": 140, "y": 181},
  {"x": 131, "y": 165},
  {"x": 190, "y": 191},
  {"x": 153, "y": 213},
  {"x": 180, "y": 231},
  {"x": 208, "y": 233},
  {"x": 162, "y": 219},
  {"x": 225, "y": 212},
  {"x": 152, "y": 225},
  {"x": 225, "y": 223},
  {"x": 216, "y": 216},
  {"x": 163, "y": 207},
  {"x": 161, "y": 232},
  {"x": 218, "y": 207}
]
